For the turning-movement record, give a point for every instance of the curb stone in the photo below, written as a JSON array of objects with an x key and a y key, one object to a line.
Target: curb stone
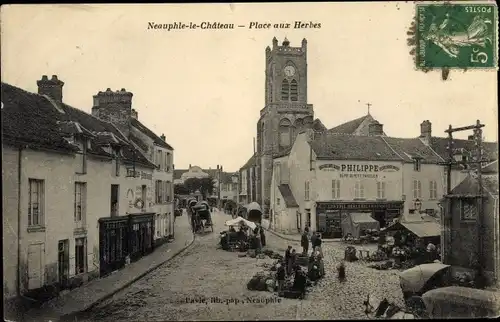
[{"x": 135, "y": 279}]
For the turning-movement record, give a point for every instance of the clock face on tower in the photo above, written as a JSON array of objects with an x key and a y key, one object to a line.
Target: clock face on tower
[{"x": 289, "y": 71}]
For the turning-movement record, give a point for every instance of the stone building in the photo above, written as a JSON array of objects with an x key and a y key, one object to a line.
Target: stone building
[
  {"x": 64, "y": 171},
  {"x": 285, "y": 113},
  {"x": 460, "y": 236},
  {"x": 327, "y": 175},
  {"x": 116, "y": 107}
]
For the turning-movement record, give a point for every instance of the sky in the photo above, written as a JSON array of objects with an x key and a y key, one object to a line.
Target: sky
[{"x": 204, "y": 89}]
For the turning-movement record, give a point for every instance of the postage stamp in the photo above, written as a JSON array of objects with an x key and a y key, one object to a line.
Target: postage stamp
[{"x": 457, "y": 35}]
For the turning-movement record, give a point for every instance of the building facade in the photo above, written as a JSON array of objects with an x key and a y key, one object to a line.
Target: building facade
[
  {"x": 62, "y": 171},
  {"x": 465, "y": 244},
  {"x": 327, "y": 175},
  {"x": 116, "y": 107}
]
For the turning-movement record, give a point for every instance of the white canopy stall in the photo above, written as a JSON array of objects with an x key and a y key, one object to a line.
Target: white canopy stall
[{"x": 239, "y": 220}]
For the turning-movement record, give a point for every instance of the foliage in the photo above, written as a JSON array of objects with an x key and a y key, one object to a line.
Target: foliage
[
  {"x": 205, "y": 185},
  {"x": 180, "y": 189}
]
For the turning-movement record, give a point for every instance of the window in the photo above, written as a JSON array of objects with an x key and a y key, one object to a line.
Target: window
[
  {"x": 416, "y": 164},
  {"x": 432, "y": 190},
  {"x": 157, "y": 224},
  {"x": 381, "y": 190},
  {"x": 306, "y": 190},
  {"x": 159, "y": 162},
  {"x": 116, "y": 154},
  {"x": 294, "y": 92},
  {"x": 469, "y": 209},
  {"x": 277, "y": 168},
  {"x": 36, "y": 198},
  {"x": 80, "y": 201},
  {"x": 335, "y": 189},
  {"x": 168, "y": 191},
  {"x": 417, "y": 189},
  {"x": 278, "y": 201},
  {"x": 168, "y": 160},
  {"x": 285, "y": 133},
  {"x": 285, "y": 90},
  {"x": 159, "y": 191},
  {"x": 359, "y": 190},
  {"x": 80, "y": 255}
]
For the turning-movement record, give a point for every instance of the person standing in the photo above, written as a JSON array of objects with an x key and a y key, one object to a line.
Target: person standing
[
  {"x": 305, "y": 241},
  {"x": 288, "y": 255},
  {"x": 281, "y": 276},
  {"x": 317, "y": 243}
]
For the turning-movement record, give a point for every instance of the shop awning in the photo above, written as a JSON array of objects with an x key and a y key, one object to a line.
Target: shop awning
[{"x": 422, "y": 229}]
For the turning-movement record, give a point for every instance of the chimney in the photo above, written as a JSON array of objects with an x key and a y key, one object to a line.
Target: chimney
[
  {"x": 190, "y": 166},
  {"x": 162, "y": 136},
  {"x": 51, "y": 87},
  {"x": 133, "y": 114},
  {"x": 426, "y": 131},
  {"x": 375, "y": 128}
]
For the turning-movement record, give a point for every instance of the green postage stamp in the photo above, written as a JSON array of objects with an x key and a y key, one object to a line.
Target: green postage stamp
[{"x": 457, "y": 35}]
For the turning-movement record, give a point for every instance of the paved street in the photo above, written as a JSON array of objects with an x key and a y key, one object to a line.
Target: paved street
[{"x": 207, "y": 283}]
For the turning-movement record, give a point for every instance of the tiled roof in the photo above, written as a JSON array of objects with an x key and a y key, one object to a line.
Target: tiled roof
[
  {"x": 440, "y": 145},
  {"x": 470, "y": 186},
  {"x": 156, "y": 139},
  {"x": 351, "y": 126},
  {"x": 141, "y": 144},
  {"x": 318, "y": 126},
  {"x": 336, "y": 146},
  {"x": 97, "y": 125},
  {"x": 409, "y": 148},
  {"x": 29, "y": 119},
  {"x": 491, "y": 168},
  {"x": 178, "y": 173},
  {"x": 108, "y": 138},
  {"x": 287, "y": 194},
  {"x": 33, "y": 119},
  {"x": 250, "y": 163}
]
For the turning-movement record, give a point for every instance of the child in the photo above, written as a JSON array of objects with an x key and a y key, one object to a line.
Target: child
[{"x": 281, "y": 276}]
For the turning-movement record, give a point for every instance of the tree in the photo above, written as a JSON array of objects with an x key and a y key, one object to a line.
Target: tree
[
  {"x": 192, "y": 184},
  {"x": 180, "y": 189},
  {"x": 207, "y": 186}
]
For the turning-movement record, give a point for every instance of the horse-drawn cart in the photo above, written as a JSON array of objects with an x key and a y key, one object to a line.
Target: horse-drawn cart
[{"x": 202, "y": 217}]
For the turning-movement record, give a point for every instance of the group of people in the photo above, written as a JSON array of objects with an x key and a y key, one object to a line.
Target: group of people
[{"x": 291, "y": 269}]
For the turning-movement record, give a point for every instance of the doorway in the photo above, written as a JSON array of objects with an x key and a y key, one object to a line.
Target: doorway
[
  {"x": 379, "y": 215},
  {"x": 63, "y": 262},
  {"x": 144, "y": 194},
  {"x": 115, "y": 190}
]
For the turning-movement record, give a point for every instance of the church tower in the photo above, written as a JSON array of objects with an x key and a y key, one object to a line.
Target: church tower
[{"x": 286, "y": 109}]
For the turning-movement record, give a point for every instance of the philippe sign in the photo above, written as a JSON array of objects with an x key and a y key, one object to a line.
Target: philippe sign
[{"x": 358, "y": 168}]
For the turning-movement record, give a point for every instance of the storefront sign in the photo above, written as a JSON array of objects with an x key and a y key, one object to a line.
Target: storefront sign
[
  {"x": 139, "y": 174},
  {"x": 358, "y": 167},
  {"x": 325, "y": 207}
]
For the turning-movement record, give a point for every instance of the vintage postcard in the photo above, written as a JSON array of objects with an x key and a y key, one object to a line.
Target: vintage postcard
[{"x": 250, "y": 161}]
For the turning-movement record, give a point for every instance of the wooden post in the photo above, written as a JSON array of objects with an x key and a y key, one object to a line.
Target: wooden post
[{"x": 480, "y": 249}]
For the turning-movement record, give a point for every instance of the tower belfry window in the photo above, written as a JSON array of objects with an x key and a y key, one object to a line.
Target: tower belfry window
[
  {"x": 285, "y": 90},
  {"x": 294, "y": 93}
]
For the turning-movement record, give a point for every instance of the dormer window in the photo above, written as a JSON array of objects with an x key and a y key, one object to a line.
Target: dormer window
[
  {"x": 116, "y": 158},
  {"x": 83, "y": 144},
  {"x": 417, "y": 164}
]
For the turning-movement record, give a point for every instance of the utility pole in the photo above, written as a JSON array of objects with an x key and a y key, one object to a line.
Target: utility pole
[
  {"x": 219, "y": 170},
  {"x": 477, "y": 161}
]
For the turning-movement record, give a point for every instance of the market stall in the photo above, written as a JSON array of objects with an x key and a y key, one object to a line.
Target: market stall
[{"x": 357, "y": 224}]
